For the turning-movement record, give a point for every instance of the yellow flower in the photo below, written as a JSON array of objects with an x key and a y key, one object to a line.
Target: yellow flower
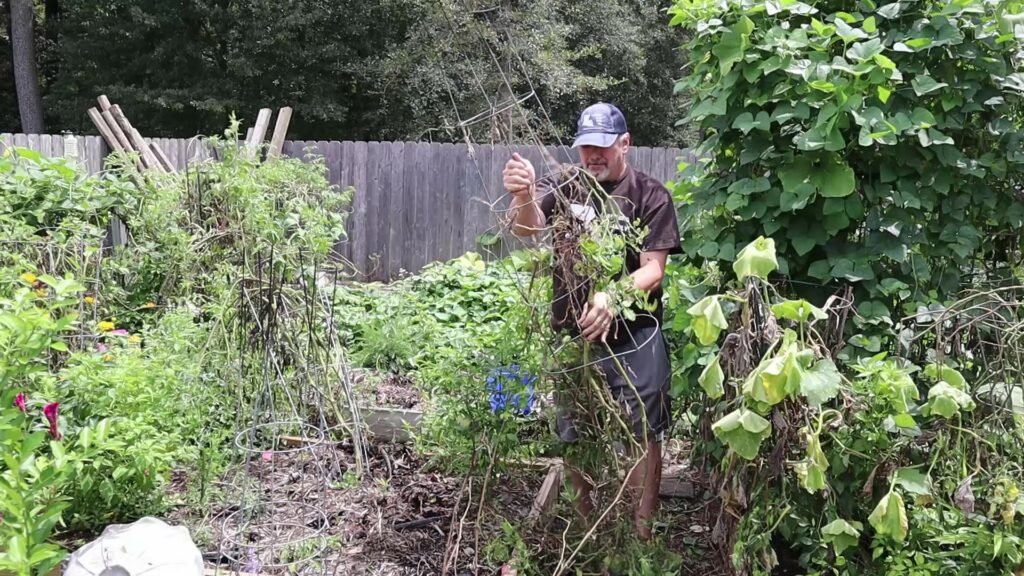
[
  {"x": 106, "y": 326},
  {"x": 90, "y": 300},
  {"x": 135, "y": 339},
  {"x": 29, "y": 277},
  {"x": 108, "y": 357},
  {"x": 149, "y": 305},
  {"x": 41, "y": 292}
]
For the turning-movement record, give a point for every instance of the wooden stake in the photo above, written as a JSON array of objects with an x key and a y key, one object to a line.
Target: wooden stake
[
  {"x": 548, "y": 493},
  {"x": 164, "y": 160},
  {"x": 255, "y": 138},
  {"x": 101, "y": 125},
  {"x": 140, "y": 146},
  {"x": 104, "y": 103},
  {"x": 284, "y": 117},
  {"x": 118, "y": 133}
]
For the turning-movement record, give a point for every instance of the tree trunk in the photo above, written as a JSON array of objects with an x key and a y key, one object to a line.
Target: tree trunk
[{"x": 26, "y": 73}]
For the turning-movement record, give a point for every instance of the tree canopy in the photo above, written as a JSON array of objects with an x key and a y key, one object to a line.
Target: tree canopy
[{"x": 353, "y": 69}]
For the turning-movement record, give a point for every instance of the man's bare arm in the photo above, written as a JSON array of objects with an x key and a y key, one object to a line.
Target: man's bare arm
[
  {"x": 520, "y": 181},
  {"x": 651, "y": 271}
]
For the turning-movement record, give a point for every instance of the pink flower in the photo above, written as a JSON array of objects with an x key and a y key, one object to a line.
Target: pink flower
[
  {"x": 268, "y": 455},
  {"x": 118, "y": 332},
  {"x": 102, "y": 347},
  {"x": 50, "y": 411},
  {"x": 20, "y": 402}
]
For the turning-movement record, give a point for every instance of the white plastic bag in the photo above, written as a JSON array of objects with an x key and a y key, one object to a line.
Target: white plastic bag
[{"x": 148, "y": 546}]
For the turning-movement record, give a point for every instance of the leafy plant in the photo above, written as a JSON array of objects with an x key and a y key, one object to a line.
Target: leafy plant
[
  {"x": 876, "y": 143},
  {"x": 32, "y": 479}
]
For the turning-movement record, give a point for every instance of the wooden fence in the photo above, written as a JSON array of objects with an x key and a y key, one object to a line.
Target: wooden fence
[{"x": 414, "y": 202}]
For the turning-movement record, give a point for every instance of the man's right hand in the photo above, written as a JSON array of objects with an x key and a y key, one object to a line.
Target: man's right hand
[{"x": 519, "y": 177}]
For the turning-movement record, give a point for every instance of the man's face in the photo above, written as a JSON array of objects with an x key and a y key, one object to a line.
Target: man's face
[{"x": 606, "y": 164}]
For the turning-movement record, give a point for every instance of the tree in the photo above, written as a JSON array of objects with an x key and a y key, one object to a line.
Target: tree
[
  {"x": 26, "y": 72},
  {"x": 367, "y": 70}
]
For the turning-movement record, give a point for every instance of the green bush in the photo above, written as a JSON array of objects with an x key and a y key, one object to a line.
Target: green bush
[{"x": 878, "y": 143}]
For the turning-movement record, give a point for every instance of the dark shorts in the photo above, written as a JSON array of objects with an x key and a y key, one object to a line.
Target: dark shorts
[{"x": 642, "y": 392}]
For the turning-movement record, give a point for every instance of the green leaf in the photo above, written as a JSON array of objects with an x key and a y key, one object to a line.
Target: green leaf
[
  {"x": 821, "y": 383},
  {"x": 708, "y": 320},
  {"x": 884, "y": 62},
  {"x": 870, "y": 25},
  {"x": 835, "y": 180},
  {"x": 841, "y": 534},
  {"x": 798, "y": 310},
  {"x": 733, "y": 45},
  {"x": 904, "y": 420},
  {"x": 884, "y": 93},
  {"x": 890, "y": 517},
  {"x": 924, "y": 84},
  {"x": 922, "y": 118},
  {"x": 942, "y": 373},
  {"x": 849, "y": 33},
  {"x": 712, "y": 378},
  {"x": 914, "y": 481},
  {"x": 744, "y": 122},
  {"x": 801, "y": 241},
  {"x": 919, "y": 43},
  {"x": 891, "y": 11},
  {"x": 864, "y": 51},
  {"x": 946, "y": 401},
  {"x": 743, "y": 431},
  {"x": 756, "y": 259}
]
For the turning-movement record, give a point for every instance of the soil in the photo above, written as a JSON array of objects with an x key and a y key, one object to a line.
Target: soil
[
  {"x": 387, "y": 389},
  {"x": 398, "y": 520}
]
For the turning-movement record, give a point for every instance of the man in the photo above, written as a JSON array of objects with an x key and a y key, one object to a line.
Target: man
[{"x": 603, "y": 141}]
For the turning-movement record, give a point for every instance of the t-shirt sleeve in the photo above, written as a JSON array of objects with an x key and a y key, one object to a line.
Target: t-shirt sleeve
[
  {"x": 659, "y": 216},
  {"x": 546, "y": 190}
]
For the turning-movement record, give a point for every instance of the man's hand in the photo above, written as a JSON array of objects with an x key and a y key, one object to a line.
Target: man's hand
[
  {"x": 519, "y": 177},
  {"x": 598, "y": 318}
]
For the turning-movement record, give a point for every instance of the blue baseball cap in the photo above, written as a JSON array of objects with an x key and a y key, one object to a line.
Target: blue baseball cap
[{"x": 599, "y": 125}]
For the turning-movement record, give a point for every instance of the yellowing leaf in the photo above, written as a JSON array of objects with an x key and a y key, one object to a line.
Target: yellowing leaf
[
  {"x": 798, "y": 311},
  {"x": 811, "y": 470},
  {"x": 743, "y": 431},
  {"x": 841, "y": 534},
  {"x": 890, "y": 517},
  {"x": 711, "y": 379},
  {"x": 708, "y": 320},
  {"x": 756, "y": 259}
]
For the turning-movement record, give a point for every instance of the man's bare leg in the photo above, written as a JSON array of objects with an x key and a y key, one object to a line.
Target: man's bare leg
[{"x": 645, "y": 484}]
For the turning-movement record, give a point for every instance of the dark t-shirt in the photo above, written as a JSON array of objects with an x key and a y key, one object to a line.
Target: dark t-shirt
[{"x": 640, "y": 198}]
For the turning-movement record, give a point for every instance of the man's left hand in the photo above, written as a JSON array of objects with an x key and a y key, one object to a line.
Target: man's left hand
[{"x": 598, "y": 318}]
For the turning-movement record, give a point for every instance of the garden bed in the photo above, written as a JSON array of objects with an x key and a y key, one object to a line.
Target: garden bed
[{"x": 396, "y": 521}]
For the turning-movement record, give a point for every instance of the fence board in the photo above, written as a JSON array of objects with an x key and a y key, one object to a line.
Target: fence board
[
  {"x": 396, "y": 212},
  {"x": 414, "y": 202},
  {"x": 361, "y": 224},
  {"x": 420, "y": 255}
]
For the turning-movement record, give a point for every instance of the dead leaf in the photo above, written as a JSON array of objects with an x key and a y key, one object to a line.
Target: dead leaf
[{"x": 963, "y": 497}]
